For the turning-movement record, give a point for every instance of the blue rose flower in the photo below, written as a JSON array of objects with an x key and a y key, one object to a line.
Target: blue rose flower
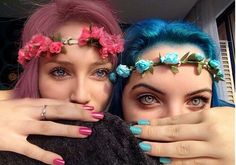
[
  {"x": 123, "y": 71},
  {"x": 112, "y": 77},
  {"x": 170, "y": 58},
  {"x": 199, "y": 57},
  {"x": 143, "y": 65},
  {"x": 214, "y": 64}
]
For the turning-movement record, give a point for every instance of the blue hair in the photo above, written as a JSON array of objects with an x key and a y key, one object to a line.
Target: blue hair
[{"x": 148, "y": 33}]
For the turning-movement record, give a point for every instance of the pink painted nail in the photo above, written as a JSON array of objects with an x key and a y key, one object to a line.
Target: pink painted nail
[
  {"x": 58, "y": 162},
  {"x": 98, "y": 115},
  {"x": 85, "y": 131},
  {"x": 88, "y": 107}
]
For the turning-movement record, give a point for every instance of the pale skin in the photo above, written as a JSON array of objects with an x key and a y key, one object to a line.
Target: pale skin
[
  {"x": 177, "y": 107},
  {"x": 76, "y": 86},
  {"x": 79, "y": 76},
  {"x": 20, "y": 112}
]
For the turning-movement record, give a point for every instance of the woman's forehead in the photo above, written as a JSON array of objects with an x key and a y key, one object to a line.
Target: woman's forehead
[{"x": 161, "y": 49}]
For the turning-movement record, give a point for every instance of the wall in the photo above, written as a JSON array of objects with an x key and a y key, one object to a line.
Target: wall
[{"x": 204, "y": 13}]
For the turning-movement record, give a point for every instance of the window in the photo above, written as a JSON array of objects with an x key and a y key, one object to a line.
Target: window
[{"x": 226, "y": 26}]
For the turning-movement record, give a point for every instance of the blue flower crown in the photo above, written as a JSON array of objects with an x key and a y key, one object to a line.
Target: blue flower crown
[{"x": 172, "y": 60}]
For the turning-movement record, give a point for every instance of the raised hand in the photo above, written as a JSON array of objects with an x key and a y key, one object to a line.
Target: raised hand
[
  {"x": 20, "y": 118},
  {"x": 205, "y": 137}
]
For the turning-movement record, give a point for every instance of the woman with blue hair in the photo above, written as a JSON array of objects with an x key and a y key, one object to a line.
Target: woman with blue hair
[{"x": 169, "y": 69}]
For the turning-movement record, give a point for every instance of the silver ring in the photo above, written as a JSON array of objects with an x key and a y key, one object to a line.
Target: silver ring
[{"x": 43, "y": 113}]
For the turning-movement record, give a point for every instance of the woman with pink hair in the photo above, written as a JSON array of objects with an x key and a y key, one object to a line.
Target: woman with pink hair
[{"x": 68, "y": 50}]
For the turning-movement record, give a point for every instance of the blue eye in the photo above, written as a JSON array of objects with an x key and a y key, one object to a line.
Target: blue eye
[
  {"x": 58, "y": 72},
  {"x": 102, "y": 73},
  {"x": 147, "y": 99}
]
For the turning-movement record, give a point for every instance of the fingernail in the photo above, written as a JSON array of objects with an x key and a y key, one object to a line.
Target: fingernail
[
  {"x": 135, "y": 130},
  {"x": 165, "y": 160},
  {"x": 143, "y": 122},
  {"x": 98, "y": 115},
  {"x": 58, "y": 162},
  {"x": 88, "y": 107},
  {"x": 145, "y": 147},
  {"x": 85, "y": 131}
]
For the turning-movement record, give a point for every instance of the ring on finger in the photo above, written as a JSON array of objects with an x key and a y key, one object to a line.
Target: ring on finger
[{"x": 44, "y": 112}]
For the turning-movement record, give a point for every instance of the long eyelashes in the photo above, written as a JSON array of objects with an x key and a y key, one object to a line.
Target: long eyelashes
[
  {"x": 59, "y": 72},
  {"x": 147, "y": 99},
  {"x": 198, "y": 102},
  {"x": 102, "y": 72}
]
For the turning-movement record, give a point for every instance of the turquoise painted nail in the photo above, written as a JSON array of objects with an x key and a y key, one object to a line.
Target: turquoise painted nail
[
  {"x": 145, "y": 146},
  {"x": 135, "y": 130},
  {"x": 143, "y": 122},
  {"x": 165, "y": 160}
]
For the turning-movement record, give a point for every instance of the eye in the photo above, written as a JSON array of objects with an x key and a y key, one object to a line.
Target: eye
[
  {"x": 147, "y": 99},
  {"x": 101, "y": 73},
  {"x": 198, "y": 102},
  {"x": 59, "y": 72}
]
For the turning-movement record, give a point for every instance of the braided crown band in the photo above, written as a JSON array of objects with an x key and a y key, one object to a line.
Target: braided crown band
[
  {"x": 41, "y": 45},
  {"x": 172, "y": 60}
]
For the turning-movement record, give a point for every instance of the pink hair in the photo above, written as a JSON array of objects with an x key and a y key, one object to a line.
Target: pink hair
[{"x": 47, "y": 19}]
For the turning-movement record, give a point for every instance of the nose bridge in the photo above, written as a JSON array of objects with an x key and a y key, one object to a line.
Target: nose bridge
[
  {"x": 176, "y": 107},
  {"x": 80, "y": 91}
]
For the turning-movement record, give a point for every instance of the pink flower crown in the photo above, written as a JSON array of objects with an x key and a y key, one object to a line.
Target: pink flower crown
[{"x": 40, "y": 45}]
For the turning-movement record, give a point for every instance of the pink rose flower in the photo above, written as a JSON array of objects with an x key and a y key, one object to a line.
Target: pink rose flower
[
  {"x": 97, "y": 32},
  {"x": 104, "y": 52},
  {"x": 55, "y": 47},
  {"x": 84, "y": 37},
  {"x": 21, "y": 56}
]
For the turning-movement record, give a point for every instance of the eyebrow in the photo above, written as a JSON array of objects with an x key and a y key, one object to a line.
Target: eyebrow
[
  {"x": 100, "y": 63},
  {"x": 199, "y": 91},
  {"x": 60, "y": 62},
  {"x": 159, "y": 91},
  {"x": 148, "y": 87}
]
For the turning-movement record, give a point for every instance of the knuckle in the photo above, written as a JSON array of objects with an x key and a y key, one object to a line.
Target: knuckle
[
  {"x": 148, "y": 131},
  {"x": 57, "y": 109},
  {"x": 70, "y": 131},
  {"x": 183, "y": 149},
  {"x": 46, "y": 127},
  {"x": 188, "y": 162},
  {"x": 26, "y": 151},
  {"x": 173, "y": 132},
  {"x": 198, "y": 162},
  {"x": 173, "y": 120}
]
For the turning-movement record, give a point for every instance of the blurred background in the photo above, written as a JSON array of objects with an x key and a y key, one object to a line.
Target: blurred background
[{"x": 216, "y": 17}]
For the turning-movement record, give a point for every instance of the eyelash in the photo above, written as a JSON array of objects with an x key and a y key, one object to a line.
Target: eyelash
[
  {"x": 143, "y": 96},
  {"x": 106, "y": 70},
  {"x": 54, "y": 71},
  {"x": 205, "y": 100}
]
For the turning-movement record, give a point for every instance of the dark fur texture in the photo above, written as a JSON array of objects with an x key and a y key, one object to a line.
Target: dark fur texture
[{"x": 111, "y": 143}]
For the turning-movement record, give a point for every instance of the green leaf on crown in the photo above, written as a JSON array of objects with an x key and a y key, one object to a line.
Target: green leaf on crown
[
  {"x": 174, "y": 69},
  {"x": 199, "y": 68},
  {"x": 184, "y": 59},
  {"x": 151, "y": 70}
]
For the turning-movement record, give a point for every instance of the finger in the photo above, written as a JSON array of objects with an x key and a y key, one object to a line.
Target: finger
[
  {"x": 35, "y": 152},
  {"x": 173, "y": 132},
  {"x": 195, "y": 161},
  {"x": 50, "y": 128},
  {"x": 38, "y": 102},
  {"x": 183, "y": 149},
  {"x": 66, "y": 111},
  {"x": 190, "y": 118}
]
